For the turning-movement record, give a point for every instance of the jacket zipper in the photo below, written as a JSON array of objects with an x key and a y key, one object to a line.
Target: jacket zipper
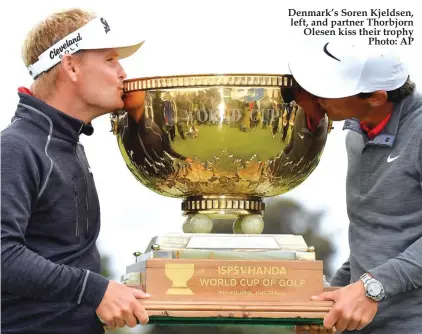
[
  {"x": 77, "y": 211},
  {"x": 86, "y": 187}
]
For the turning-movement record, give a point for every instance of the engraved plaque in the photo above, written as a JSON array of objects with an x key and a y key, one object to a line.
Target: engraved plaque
[{"x": 233, "y": 280}]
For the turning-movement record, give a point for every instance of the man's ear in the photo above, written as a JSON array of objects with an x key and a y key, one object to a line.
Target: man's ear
[
  {"x": 70, "y": 66},
  {"x": 378, "y": 98}
]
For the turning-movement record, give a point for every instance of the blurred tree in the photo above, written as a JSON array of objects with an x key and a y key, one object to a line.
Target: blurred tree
[
  {"x": 105, "y": 266},
  {"x": 285, "y": 216}
]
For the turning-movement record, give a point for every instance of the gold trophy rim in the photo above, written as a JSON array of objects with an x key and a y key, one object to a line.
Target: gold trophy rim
[{"x": 210, "y": 80}]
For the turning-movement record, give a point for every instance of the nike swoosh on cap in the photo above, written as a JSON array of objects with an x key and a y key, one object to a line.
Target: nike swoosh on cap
[{"x": 328, "y": 53}]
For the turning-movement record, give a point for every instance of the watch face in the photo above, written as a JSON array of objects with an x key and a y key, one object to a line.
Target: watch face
[{"x": 374, "y": 289}]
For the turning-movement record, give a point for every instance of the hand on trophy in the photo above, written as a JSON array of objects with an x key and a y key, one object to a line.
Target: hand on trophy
[
  {"x": 352, "y": 309},
  {"x": 120, "y": 307}
]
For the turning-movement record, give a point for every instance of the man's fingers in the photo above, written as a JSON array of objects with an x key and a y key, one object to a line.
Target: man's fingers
[
  {"x": 363, "y": 322},
  {"x": 141, "y": 314},
  {"x": 353, "y": 324},
  {"x": 318, "y": 297},
  {"x": 324, "y": 296},
  {"x": 131, "y": 320},
  {"x": 119, "y": 322},
  {"x": 109, "y": 325},
  {"x": 139, "y": 294},
  {"x": 331, "y": 318},
  {"x": 342, "y": 324}
]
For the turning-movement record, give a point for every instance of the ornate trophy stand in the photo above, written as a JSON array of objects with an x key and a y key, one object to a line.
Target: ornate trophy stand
[{"x": 222, "y": 143}]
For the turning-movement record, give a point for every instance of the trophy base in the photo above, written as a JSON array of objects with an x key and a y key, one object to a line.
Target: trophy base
[{"x": 220, "y": 279}]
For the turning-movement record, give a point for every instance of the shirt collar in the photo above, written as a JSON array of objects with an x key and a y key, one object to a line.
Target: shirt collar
[
  {"x": 51, "y": 119},
  {"x": 372, "y": 132},
  {"x": 388, "y": 134}
]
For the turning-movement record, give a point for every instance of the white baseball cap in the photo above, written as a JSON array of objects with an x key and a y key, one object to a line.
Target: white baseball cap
[
  {"x": 96, "y": 34},
  {"x": 335, "y": 71}
]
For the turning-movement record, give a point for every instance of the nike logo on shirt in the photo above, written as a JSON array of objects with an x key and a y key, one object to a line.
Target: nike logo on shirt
[{"x": 390, "y": 159}]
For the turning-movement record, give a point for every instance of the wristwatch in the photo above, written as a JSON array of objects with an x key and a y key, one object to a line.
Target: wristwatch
[{"x": 373, "y": 288}]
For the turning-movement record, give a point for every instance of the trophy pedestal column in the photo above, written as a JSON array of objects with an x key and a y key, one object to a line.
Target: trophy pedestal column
[{"x": 247, "y": 211}]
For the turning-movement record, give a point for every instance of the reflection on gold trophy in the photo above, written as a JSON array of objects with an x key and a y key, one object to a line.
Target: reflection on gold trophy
[{"x": 179, "y": 274}]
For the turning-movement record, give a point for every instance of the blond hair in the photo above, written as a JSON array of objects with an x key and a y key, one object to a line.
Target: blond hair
[{"x": 48, "y": 32}]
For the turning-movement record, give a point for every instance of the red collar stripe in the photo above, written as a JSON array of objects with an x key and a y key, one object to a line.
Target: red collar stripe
[
  {"x": 373, "y": 132},
  {"x": 24, "y": 90}
]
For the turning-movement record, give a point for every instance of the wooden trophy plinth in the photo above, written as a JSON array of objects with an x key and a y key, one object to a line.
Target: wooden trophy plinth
[{"x": 217, "y": 283}]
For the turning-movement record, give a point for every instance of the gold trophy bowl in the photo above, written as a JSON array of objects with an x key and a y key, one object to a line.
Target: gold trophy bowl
[{"x": 220, "y": 142}]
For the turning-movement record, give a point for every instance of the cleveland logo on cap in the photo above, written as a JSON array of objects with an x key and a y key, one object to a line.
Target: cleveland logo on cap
[{"x": 68, "y": 46}]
